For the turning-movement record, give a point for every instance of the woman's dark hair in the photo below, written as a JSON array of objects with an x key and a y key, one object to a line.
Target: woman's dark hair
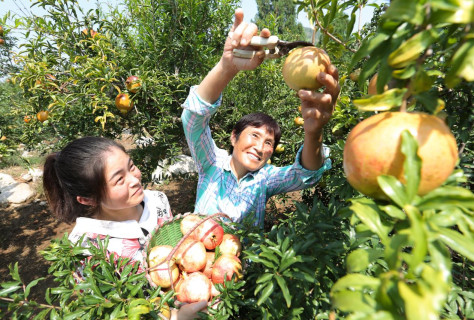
[
  {"x": 77, "y": 170},
  {"x": 257, "y": 120}
]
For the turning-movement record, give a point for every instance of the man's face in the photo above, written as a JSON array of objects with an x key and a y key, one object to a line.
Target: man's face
[{"x": 252, "y": 149}]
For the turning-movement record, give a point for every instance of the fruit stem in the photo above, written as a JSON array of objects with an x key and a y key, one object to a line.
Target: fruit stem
[
  {"x": 330, "y": 35},
  {"x": 403, "y": 106}
]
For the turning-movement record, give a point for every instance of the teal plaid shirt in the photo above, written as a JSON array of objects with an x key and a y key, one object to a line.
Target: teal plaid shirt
[{"x": 218, "y": 189}]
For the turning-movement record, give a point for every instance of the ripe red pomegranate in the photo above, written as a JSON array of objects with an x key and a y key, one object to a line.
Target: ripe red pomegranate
[
  {"x": 230, "y": 244},
  {"x": 191, "y": 255},
  {"x": 224, "y": 267},
  {"x": 373, "y": 148},
  {"x": 133, "y": 84},
  {"x": 210, "y": 233},
  {"x": 193, "y": 287}
]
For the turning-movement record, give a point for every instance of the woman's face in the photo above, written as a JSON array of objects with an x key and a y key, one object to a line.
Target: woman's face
[
  {"x": 252, "y": 149},
  {"x": 123, "y": 182}
]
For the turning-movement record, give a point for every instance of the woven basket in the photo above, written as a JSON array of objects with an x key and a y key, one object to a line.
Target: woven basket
[{"x": 170, "y": 234}]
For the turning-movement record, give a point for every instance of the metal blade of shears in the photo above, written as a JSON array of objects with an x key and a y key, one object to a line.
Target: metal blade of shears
[{"x": 276, "y": 47}]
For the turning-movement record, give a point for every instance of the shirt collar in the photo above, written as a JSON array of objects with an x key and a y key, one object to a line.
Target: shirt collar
[{"x": 226, "y": 167}]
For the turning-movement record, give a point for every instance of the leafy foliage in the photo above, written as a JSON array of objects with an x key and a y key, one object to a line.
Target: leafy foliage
[{"x": 339, "y": 253}]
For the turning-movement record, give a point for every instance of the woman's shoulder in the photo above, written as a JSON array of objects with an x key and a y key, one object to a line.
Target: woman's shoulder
[
  {"x": 157, "y": 202},
  {"x": 151, "y": 195}
]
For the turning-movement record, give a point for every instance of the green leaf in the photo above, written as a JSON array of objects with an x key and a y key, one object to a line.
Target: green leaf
[
  {"x": 417, "y": 307},
  {"x": 457, "y": 12},
  {"x": 422, "y": 82},
  {"x": 14, "y": 271},
  {"x": 284, "y": 289},
  {"x": 411, "y": 165},
  {"x": 457, "y": 242},
  {"x": 353, "y": 301},
  {"x": 135, "y": 312},
  {"x": 368, "y": 212},
  {"x": 430, "y": 101},
  {"x": 270, "y": 256},
  {"x": 393, "y": 212},
  {"x": 462, "y": 65},
  {"x": 393, "y": 251},
  {"x": 411, "y": 49},
  {"x": 417, "y": 233},
  {"x": 440, "y": 259},
  {"x": 350, "y": 25},
  {"x": 73, "y": 315},
  {"x": 405, "y": 73},
  {"x": 358, "y": 260},
  {"x": 405, "y": 10},
  {"x": 444, "y": 198},
  {"x": 367, "y": 47},
  {"x": 394, "y": 189},
  {"x": 264, "y": 278},
  {"x": 9, "y": 289},
  {"x": 265, "y": 262},
  {"x": 381, "y": 102},
  {"x": 267, "y": 291},
  {"x": 355, "y": 281},
  {"x": 31, "y": 285}
]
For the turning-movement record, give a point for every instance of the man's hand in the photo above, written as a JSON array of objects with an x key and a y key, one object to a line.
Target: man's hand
[
  {"x": 317, "y": 107},
  {"x": 239, "y": 38}
]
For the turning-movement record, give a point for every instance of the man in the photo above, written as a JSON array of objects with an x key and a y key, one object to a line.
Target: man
[{"x": 241, "y": 183}]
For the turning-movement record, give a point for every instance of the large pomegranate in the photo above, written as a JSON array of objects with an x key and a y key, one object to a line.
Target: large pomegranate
[
  {"x": 224, "y": 267},
  {"x": 193, "y": 287},
  {"x": 191, "y": 255},
  {"x": 373, "y": 148},
  {"x": 302, "y": 67}
]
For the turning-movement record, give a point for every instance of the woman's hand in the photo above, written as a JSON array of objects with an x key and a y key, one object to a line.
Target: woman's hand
[
  {"x": 317, "y": 107},
  {"x": 239, "y": 38},
  {"x": 188, "y": 311}
]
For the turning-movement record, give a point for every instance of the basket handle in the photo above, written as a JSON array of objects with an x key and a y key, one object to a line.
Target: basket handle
[{"x": 219, "y": 214}]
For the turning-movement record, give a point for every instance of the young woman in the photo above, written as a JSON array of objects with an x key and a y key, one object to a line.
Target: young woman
[
  {"x": 94, "y": 183},
  {"x": 240, "y": 183}
]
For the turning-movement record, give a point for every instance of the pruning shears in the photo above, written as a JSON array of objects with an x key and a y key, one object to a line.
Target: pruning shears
[{"x": 276, "y": 48}]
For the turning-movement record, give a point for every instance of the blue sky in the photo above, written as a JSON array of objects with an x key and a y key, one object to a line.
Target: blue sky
[{"x": 249, "y": 6}]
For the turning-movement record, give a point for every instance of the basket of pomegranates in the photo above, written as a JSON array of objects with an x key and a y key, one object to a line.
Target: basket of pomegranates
[{"x": 190, "y": 254}]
